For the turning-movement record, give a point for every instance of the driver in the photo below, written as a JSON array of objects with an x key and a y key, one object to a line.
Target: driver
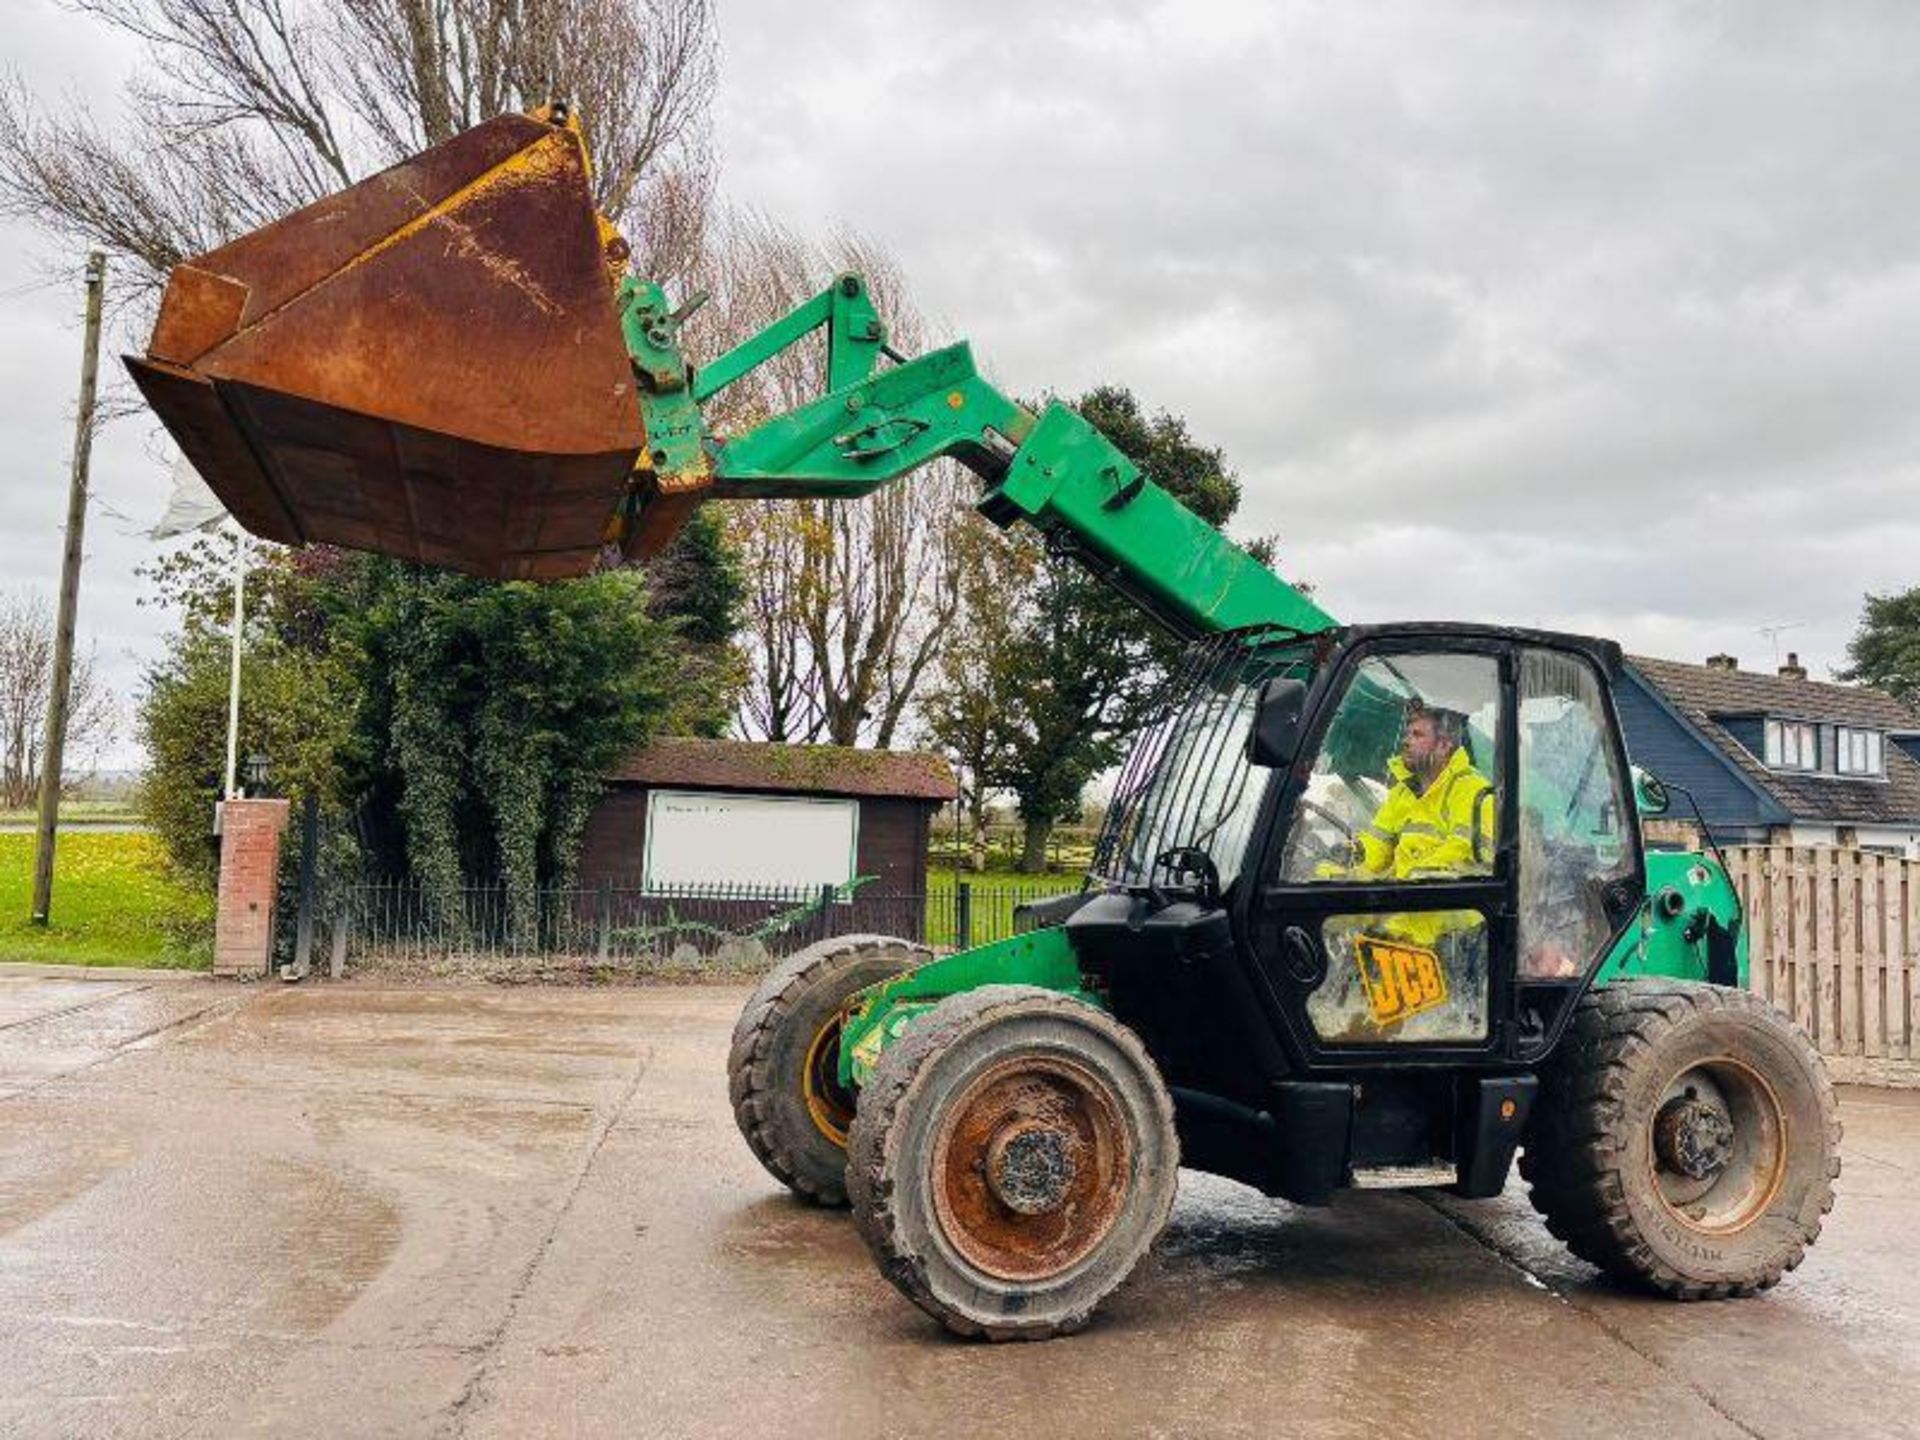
[{"x": 1438, "y": 816}]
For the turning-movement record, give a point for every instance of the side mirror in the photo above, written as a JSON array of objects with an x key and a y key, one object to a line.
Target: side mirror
[
  {"x": 1277, "y": 715},
  {"x": 1649, "y": 795}
]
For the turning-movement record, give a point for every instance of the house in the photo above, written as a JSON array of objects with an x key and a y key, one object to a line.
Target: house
[
  {"x": 693, "y": 814},
  {"x": 1774, "y": 758}
]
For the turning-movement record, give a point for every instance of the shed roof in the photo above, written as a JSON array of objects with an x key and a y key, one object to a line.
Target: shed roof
[
  {"x": 1703, "y": 694},
  {"x": 789, "y": 769}
]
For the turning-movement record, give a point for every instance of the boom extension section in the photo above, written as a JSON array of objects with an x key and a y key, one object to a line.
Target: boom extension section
[{"x": 876, "y": 425}]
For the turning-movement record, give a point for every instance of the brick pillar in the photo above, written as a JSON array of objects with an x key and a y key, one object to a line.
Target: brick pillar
[{"x": 249, "y": 875}]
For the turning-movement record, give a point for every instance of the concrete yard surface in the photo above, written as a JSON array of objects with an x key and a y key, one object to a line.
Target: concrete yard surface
[{"x": 230, "y": 1210}]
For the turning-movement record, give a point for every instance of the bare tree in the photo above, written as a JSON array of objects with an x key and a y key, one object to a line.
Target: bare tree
[
  {"x": 848, "y": 600},
  {"x": 970, "y": 708},
  {"x": 779, "y": 701},
  {"x": 26, "y": 672},
  {"x": 249, "y": 108}
]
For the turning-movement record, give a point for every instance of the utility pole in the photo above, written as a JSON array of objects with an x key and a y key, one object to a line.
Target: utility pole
[{"x": 57, "y": 692}]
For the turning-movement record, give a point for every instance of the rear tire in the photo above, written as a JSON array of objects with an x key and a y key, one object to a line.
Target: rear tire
[
  {"x": 1013, "y": 1158},
  {"x": 1686, "y": 1140},
  {"x": 782, "y": 1070}
]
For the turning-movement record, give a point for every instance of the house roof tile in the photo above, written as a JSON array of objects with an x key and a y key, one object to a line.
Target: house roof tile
[
  {"x": 1705, "y": 694},
  {"x": 789, "y": 769},
  {"x": 1742, "y": 692}
]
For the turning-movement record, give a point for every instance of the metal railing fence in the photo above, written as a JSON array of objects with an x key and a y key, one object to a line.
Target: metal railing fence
[{"x": 610, "y": 929}]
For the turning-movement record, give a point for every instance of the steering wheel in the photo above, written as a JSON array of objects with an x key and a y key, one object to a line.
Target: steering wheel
[
  {"x": 1323, "y": 851},
  {"x": 1184, "y": 860}
]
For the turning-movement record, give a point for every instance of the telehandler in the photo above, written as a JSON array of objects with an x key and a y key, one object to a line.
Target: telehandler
[{"x": 1266, "y": 975}]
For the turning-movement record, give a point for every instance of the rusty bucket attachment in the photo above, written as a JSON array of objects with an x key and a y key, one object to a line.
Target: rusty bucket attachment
[{"x": 428, "y": 364}]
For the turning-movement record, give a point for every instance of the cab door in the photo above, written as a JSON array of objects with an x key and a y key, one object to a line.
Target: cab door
[{"x": 1385, "y": 921}]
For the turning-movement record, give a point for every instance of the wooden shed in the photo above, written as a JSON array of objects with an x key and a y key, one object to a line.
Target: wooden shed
[{"x": 695, "y": 813}]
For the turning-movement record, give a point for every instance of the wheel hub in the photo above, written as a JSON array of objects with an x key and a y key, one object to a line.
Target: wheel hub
[
  {"x": 1031, "y": 1164},
  {"x": 829, "y": 1103},
  {"x": 1030, "y": 1167},
  {"x": 1694, "y": 1137},
  {"x": 1717, "y": 1145}
]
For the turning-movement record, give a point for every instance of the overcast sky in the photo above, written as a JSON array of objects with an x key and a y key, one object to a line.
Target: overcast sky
[{"x": 1598, "y": 317}]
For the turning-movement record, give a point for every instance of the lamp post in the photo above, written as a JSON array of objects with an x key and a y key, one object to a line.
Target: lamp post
[{"x": 233, "y": 677}]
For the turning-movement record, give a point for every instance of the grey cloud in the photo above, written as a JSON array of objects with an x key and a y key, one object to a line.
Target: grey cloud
[{"x": 1551, "y": 312}]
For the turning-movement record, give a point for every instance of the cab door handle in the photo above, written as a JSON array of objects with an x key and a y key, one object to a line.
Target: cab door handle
[{"x": 1303, "y": 957}]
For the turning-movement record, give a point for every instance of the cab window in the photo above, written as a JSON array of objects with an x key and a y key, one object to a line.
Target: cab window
[
  {"x": 1406, "y": 784},
  {"x": 1573, "y": 812}
]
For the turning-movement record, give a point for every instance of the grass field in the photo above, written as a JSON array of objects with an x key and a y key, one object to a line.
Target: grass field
[
  {"x": 994, "y": 895},
  {"x": 112, "y": 905},
  {"x": 941, "y": 882},
  {"x": 80, "y": 812}
]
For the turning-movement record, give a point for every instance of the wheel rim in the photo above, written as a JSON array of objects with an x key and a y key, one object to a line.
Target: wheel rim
[
  {"x": 829, "y": 1103},
  {"x": 1718, "y": 1146},
  {"x": 1031, "y": 1166}
]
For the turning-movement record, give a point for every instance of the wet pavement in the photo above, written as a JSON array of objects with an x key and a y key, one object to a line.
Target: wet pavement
[{"x": 267, "y": 1210}]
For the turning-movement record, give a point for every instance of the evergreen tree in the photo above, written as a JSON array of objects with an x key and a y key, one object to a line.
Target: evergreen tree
[
  {"x": 1885, "y": 651},
  {"x": 467, "y": 725}
]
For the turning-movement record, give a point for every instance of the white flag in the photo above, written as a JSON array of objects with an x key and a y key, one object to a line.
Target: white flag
[{"x": 190, "y": 504}]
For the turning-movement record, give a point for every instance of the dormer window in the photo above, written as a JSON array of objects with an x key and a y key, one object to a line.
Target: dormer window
[
  {"x": 1856, "y": 752},
  {"x": 1792, "y": 745}
]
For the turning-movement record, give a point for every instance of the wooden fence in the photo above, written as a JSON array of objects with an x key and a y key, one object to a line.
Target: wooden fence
[{"x": 1835, "y": 942}]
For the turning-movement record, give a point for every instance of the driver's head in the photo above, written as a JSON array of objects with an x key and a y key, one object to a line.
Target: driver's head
[{"x": 1429, "y": 735}]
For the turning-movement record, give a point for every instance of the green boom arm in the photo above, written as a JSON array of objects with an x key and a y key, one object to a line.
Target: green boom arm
[{"x": 875, "y": 425}]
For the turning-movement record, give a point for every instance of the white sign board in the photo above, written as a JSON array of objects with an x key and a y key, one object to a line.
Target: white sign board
[{"x": 698, "y": 838}]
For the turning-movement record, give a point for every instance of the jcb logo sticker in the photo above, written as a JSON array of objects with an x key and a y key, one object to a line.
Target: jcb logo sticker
[{"x": 1401, "y": 979}]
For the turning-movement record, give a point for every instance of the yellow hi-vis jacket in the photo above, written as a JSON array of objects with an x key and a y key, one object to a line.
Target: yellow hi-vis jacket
[{"x": 1447, "y": 831}]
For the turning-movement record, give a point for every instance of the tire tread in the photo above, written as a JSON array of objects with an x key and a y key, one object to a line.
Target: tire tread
[
  {"x": 873, "y": 1150},
  {"x": 1574, "y": 1162},
  {"x": 750, "y": 1081}
]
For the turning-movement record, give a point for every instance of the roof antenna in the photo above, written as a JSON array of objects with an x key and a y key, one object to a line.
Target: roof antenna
[{"x": 1774, "y": 631}]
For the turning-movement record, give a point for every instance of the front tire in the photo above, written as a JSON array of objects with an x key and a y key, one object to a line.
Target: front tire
[
  {"x": 1013, "y": 1158},
  {"x": 1686, "y": 1140},
  {"x": 783, "y": 1067}
]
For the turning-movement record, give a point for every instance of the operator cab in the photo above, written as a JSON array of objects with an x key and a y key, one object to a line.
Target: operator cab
[{"x": 1374, "y": 867}]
